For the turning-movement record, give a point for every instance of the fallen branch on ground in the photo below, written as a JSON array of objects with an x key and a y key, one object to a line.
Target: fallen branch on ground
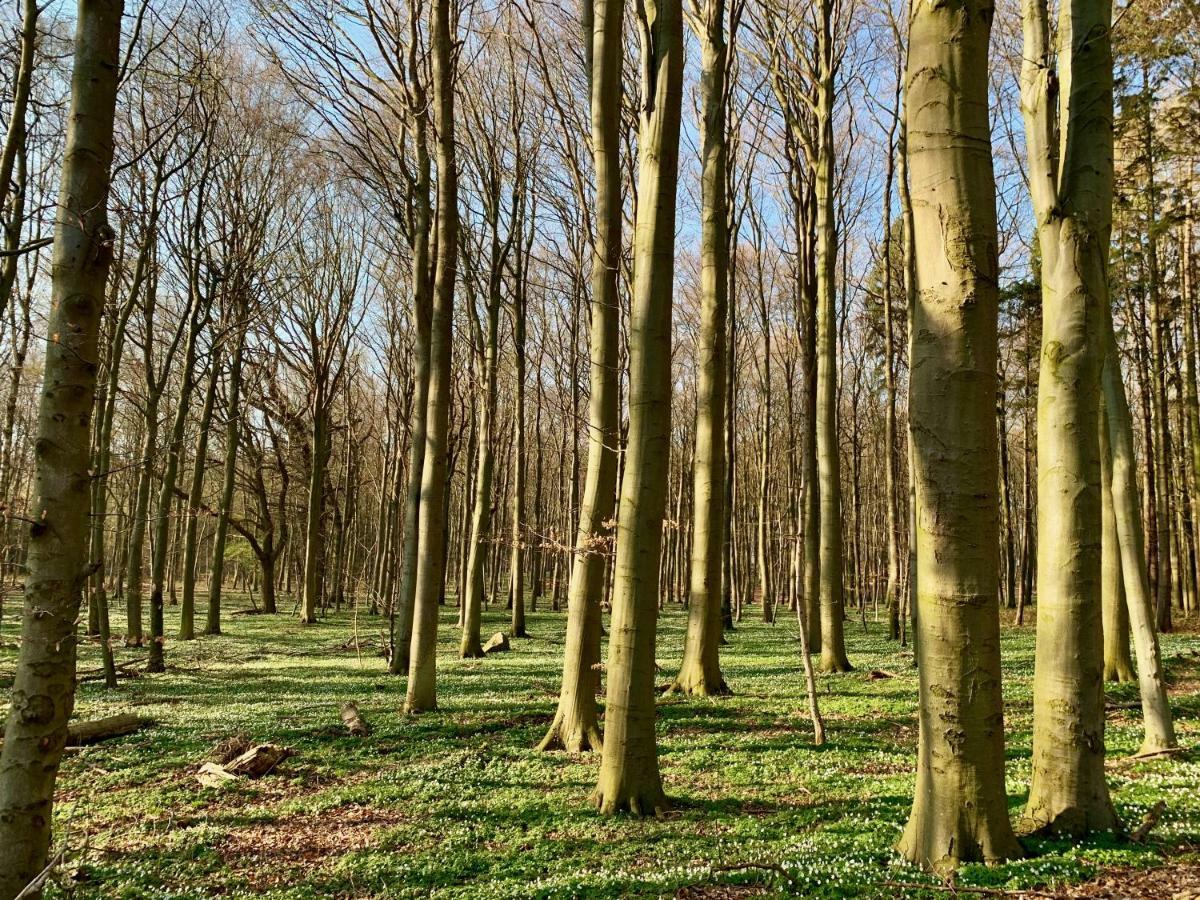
[
  {"x": 960, "y": 889},
  {"x": 256, "y": 762},
  {"x": 82, "y": 733}
]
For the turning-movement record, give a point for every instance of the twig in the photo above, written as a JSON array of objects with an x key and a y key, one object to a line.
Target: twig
[
  {"x": 34, "y": 888},
  {"x": 1170, "y": 751}
]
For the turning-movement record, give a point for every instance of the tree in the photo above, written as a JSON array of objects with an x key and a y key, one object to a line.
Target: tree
[
  {"x": 575, "y": 727},
  {"x": 960, "y": 811},
  {"x": 629, "y": 775},
  {"x": 430, "y": 573},
  {"x": 700, "y": 671},
  {"x": 44, "y": 686},
  {"x": 1068, "y": 134}
]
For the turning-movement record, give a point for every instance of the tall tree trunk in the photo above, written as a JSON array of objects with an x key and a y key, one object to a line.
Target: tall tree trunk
[
  {"x": 516, "y": 568},
  {"x": 44, "y": 682},
  {"x": 314, "y": 537},
  {"x": 402, "y": 621},
  {"x": 1071, "y": 190},
  {"x": 187, "y": 605},
  {"x": 166, "y": 494},
  {"x": 960, "y": 811},
  {"x": 141, "y": 511},
  {"x": 700, "y": 672},
  {"x": 629, "y": 775},
  {"x": 833, "y": 644},
  {"x": 430, "y": 569},
  {"x": 233, "y": 393},
  {"x": 478, "y": 546},
  {"x": 575, "y": 727},
  {"x": 1156, "y": 708}
]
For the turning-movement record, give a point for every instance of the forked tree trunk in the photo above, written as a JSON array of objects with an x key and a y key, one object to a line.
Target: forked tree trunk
[
  {"x": 575, "y": 727},
  {"x": 960, "y": 811},
  {"x": 1069, "y": 140},
  {"x": 629, "y": 775},
  {"x": 700, "y": 672},
  {"x": 431, "y": 536},
  {"x": 44, "y": 682}
]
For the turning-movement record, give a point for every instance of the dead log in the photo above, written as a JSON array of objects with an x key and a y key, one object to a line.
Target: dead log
[
  {"x": 497, "y": 643},
  {"x": 258, "y": 760},
  {"x": 82, "y": 733},
  {"x": 212, "y": 775},
  {"x": 353, "y": 720},
  {"x": 254, "y": 763}
]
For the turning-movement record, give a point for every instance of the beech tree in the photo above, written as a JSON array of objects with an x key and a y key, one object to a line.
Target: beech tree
[
  {"x": 56, "y": 564},
  {"x": 629, "y": 775},
  {"x": 1068, "y": 134},
  {"x": 960, "y": 811}
]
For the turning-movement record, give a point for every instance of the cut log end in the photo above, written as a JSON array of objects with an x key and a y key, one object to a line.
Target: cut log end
[{"x": 353, "y": 720}]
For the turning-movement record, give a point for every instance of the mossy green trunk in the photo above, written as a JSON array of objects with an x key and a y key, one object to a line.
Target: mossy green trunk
[{"x": 960, "y": 810}]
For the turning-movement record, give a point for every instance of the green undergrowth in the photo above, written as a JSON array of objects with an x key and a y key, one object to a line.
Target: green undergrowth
[{"x": 458, "y": 803}]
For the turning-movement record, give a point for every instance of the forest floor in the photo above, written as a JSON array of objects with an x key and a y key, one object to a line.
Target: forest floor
[{"x": 458, "y": 803}]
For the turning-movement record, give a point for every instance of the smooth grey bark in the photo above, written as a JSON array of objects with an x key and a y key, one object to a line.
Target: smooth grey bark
[
  {"x": 56, "y": 565},
  {"x": 960, "y": 810},
  {"x": 430, "y": 571},
  {"x": 629, "y": 774}
]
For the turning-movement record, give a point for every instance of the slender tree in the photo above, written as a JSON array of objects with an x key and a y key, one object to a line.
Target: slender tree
[
  {"x": 700, "y": 672},
  {"x": 431, "y": 561},
  {"x": 575, "y": 727}
]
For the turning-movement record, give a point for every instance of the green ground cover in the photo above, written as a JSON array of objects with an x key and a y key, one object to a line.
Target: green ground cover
[{"x": 458, "y": 803}]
